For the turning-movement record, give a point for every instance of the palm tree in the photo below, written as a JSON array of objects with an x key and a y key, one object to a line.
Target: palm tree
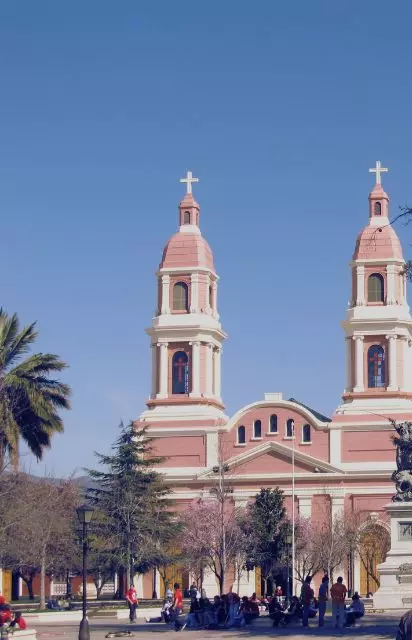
[{"x": 29, "y": 398}]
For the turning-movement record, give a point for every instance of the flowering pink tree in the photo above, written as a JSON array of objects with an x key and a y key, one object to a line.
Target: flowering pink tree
[
  {"x": 212, "y": 538},
  {"x": 308, "y": 559}
]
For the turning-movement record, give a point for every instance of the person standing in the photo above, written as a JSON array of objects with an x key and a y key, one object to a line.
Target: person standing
[
  {"x": 131, "y": 597},
  {"x": 306, "y": 596},
  {"x": 193, "y": 591},
  {"x": 338, "y": 594},
  {"x": 323, "y": 599},
  {"x": 177, "y": 605}
]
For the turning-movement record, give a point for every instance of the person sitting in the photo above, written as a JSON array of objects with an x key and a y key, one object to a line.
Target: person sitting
[
  {"x": 276, "y": 612},
  {"x": 18, "y": 621},
  {"x": 164, "y": 613},
  {"x": 248, "y": 611},
  {"x": 294, "y": 611},
  {"x": 192, "y": 620},
  {"x": 219, "y": 609},
  {"x": 264, "y": 602},
  {"x": 53, "y": 604},
  {"x": 355, "y": 611}
]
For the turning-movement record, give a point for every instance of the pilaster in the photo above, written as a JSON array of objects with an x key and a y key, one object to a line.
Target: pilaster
[
  {"x": 392, "y": 377},
  {"x": 154, "y": 370},
  {"x": 405, "y": 363},
  {"x": 360, "y": 285},
  {"x": 217, "y": 372},
  {"x": 165, "y": 307},
  {"x": 209, "y": 370},
  {"x": 305, "y": 506},
  {"x": 337, "y": 506},
  {"x": 194, "y": 293},
  {"x": 195, "y": 369},
  {"x": 390, "y": 284},
  {"x": 359, "y": 383},
  {"x": 348, "y": 364},
  {"x": 163, "y": 373},
  {"x": 214, "y": 299}
]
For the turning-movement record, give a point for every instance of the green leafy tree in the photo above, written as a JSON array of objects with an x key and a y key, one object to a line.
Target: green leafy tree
[
  {"x": 132, "y": 497},
  {"x": 266, "y": 531},
  {"x": 30, "y": 399}
]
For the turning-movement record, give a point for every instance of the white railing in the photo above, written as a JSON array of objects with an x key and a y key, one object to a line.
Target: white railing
[{"x": 59, "y": 589}]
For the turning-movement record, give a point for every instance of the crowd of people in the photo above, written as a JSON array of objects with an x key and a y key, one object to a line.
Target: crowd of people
[{"x": 230, "y": 610}]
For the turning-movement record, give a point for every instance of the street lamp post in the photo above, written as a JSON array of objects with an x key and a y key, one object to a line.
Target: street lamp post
[
  {"x": 289, "y": 545},
  {"x": 84, "y": 513}
]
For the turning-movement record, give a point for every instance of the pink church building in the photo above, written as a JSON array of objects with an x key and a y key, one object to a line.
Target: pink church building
[{"x": 342, "y": 463}]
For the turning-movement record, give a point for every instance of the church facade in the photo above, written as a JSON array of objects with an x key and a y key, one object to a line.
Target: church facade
[{"x": 340, "y": 463}]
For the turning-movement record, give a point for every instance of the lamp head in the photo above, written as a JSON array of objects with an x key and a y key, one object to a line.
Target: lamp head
[{"x": 85, "y": 513}]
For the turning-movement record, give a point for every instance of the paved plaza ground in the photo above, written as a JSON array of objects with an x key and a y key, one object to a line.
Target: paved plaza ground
[{"x": 373, "y": 627}]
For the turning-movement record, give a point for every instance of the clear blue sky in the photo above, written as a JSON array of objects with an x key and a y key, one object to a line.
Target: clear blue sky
[{"x": 278, "y": 107}]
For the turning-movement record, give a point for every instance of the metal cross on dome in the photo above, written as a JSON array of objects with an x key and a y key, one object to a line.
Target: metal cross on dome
[
  {"x": 378, "y": 170},
  {"x": 189, "y": 181}
]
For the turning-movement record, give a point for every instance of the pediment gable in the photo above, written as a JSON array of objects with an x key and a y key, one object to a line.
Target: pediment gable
[
  {"x": 270, "y": 462},
  {"x": 275, "y": 458}
]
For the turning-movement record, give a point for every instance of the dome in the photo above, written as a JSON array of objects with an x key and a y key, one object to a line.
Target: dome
[
  {"x": 187, "y": 250},
  {"x": 377, "y": 242}
]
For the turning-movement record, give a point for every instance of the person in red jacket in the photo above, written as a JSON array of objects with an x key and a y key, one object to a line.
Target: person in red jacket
[
  {"x": 131, "y": 597},
  {"x": 18, "y": 621}
]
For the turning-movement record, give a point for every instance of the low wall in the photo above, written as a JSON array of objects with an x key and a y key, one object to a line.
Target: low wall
[
  {"x": 73, "y": 616},
  {"x": 27, "y": 634}
]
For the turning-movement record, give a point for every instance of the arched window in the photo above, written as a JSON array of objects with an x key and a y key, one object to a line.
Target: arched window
[
  {"x": 290, "y": 428},
  {"x": 378, "y": 209},
  {"x": 306, "y": 433},
  {"x": 376, "y": 288},
  {"x": 211, "y": 297},
  {"x": 241, "y": 435},
  {"x": 186, "y": 217},
  {"x": 180, "y": 372},
  {"x": 273, "y": 423},
  {"x": 376, "y": 366},
  {"x": 180, "y": 296},
  {"x": 257, "y": 429}
]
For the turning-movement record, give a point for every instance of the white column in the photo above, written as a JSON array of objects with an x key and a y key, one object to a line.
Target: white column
[
  {"x": 360, "y": 285},
  {"x": 194, "y": 293},
  {"x": 349, "y": 364},
  {"x": 209, "y": 370},
  {"x": 335, "y": 446},
  {"x": 338, "y": 506},
  {"x": 195, "y": 368},
  {"x": 212, "y": 448},
  {"x": 154, "y": 370},
  {"x": 217, "y": 363},
  {"x": 305, "y": 506},
  {"x": 392, "y": 378},
  {"x": 390, "y": 284},
  {"x": 214, "y": 298},
  {"x": 359, "y": 384},
  {"x": 208, "y": 301},
  {"x": 405, "y": 363},
  {"x": 165, "y": 307},
  {"x": 163, "y": 373}
]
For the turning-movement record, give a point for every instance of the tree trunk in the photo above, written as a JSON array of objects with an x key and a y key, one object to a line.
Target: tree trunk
[
  {"x": 221, "y": 579},
  {"x": 121, "y": 583},
  {"x": 129, "y": 565},
  {"x": 29, "y": 584},
  {"x": 43, "y": 581}
]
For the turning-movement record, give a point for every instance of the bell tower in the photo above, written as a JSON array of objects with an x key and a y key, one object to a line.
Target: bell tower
[
  {"x": 378, "y": 324},
  {"x": 186, "y": 334}
]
